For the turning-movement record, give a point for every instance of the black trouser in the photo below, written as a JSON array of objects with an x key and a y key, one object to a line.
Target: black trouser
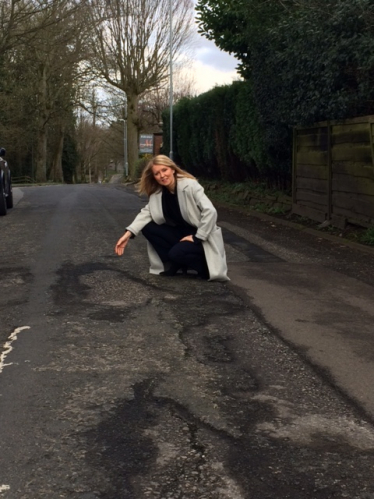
[{"x": 166, "y": 240}]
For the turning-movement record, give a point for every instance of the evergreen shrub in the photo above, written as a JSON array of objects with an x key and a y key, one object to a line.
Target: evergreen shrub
[{"x": 219, "y": 135}]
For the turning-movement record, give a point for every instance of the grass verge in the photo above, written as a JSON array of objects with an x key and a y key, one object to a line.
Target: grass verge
[{"x": 251, "y": 197}]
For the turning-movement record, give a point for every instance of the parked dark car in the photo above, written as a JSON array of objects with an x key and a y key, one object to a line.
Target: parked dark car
[{"x": 6, "y": 194}]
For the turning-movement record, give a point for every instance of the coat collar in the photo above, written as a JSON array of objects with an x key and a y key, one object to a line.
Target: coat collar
[
  {"x": 156, "y": 202},
  {"x": 181, "y": 184}
]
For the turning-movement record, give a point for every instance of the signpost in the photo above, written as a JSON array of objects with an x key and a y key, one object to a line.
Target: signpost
[{"x": 146, "y": 144}]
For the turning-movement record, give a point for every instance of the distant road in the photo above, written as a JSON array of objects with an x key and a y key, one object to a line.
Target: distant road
[{"x": 115, "y": 179}]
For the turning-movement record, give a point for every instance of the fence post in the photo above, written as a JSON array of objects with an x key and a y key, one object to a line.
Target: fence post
[
  {"x": 329, "y": 169},
  {"x": 294, "y": 171},
  {"x": 371, "y": 141}
]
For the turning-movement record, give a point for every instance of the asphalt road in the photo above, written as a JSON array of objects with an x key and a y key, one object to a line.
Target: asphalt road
[{"x": 117, "y": 384}]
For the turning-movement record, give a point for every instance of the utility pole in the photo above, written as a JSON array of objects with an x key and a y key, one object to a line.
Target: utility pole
[
  {"x": 171, "y": 79},
  {"x": 125, "y": 159}
]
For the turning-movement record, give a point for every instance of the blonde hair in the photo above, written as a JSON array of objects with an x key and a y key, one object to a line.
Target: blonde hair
[{"x": 148, "y": 184}]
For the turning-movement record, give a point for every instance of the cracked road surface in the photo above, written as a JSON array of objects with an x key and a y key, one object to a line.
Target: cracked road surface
[{"x": 117, "y": 384}]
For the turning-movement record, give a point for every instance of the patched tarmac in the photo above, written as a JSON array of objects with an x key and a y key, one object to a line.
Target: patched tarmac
[{"x": 131, "y": 386}]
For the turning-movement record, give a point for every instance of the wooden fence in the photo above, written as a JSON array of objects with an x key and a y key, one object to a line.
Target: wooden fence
[{"x": 333, "y": 172}]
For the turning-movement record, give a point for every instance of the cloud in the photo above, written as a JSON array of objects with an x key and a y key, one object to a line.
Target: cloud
[
  {"x": 209, "y": 54},
  {"x": 216, "y": 59},
  {"x": 211, "y": 65},
  {"x": 207, "y": 76}
]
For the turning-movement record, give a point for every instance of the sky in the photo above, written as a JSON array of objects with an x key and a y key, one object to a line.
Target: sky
[{"x": 211, "y": 66}]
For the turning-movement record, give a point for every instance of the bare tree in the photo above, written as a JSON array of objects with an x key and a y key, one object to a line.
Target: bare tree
[
  {"x": 131, "y": 47},
  {"x": 55, "y": 53},
  {"x": 17, "y": 20},
  {"x": 154, "y": 102},
  {"x": 90, "y": 139}
]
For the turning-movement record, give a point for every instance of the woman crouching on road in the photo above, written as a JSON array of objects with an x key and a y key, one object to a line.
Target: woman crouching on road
[{"x": 179, "y": 223}]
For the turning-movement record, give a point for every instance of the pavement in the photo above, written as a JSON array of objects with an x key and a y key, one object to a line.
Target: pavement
[
  {"x": 116, "y": 178},
  {"x": 17, "y": 195},
  {"x": 311, "y": 302}
]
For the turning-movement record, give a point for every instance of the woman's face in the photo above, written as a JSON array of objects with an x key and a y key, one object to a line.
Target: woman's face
[{"x": 164, "y": 175}]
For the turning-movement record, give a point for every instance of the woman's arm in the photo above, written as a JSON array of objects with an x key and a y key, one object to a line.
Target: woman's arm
[
  {"x": 133, "y": 229},
  {"x": 140, "y": 221},
  {"x": 208, "y": 213},
  {"x": 122, "y": 243}
]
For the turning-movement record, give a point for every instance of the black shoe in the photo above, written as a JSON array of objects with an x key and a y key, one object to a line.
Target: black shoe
[
  {"x": 173, "y": 270},
  {"x": 203, "y": 275}
]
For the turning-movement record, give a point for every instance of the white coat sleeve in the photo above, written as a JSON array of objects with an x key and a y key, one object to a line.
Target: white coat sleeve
[
  {"x": 208, "y": 213},
  {"x": 140, "y": 221}
]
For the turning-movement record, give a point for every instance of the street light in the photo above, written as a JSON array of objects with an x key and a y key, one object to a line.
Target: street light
[
  {"x": 171, "y": 80},
  {"x": 125, "y": 161}
]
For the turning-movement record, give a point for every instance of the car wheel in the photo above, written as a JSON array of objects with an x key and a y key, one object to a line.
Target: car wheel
[
  {"x": 9, "y": 199},
  {"x": 3, "y": 207}
]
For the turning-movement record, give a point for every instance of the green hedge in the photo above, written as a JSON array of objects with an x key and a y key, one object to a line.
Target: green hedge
[{"x": 218, "y": 135}]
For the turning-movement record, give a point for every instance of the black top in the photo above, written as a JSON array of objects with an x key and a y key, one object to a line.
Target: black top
[{"x": 172, "y": 212}]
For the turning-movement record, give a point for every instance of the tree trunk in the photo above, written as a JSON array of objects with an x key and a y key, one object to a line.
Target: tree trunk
[
  {"x": 82, "y": 171},
  {"x": 41, "y": 155},
  {"x": 56, "y": 174},
  {"x": 41, "y": 145},
  {"x": 132, "y": 132}
]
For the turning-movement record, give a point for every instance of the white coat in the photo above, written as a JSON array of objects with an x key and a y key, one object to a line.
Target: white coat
[{"x": 198, "y": 211}]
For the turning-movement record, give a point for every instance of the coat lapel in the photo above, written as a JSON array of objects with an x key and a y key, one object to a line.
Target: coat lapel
[
  {"x": 155, "y": 202},
  {"x": 187, "y": 206},
  {"x": 182, "y": 199}
]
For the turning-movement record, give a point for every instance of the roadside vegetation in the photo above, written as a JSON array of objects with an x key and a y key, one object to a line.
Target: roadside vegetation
[
  {"x": 300, "y": 62},
  {"x": 74, "y": 74},
  {"x": 368, "y": 237},
  {"x": 256, "y": 198},
  {"x": 75, "y": 78}
]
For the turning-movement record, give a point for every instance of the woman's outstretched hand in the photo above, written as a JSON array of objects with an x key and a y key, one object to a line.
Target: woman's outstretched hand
[{"x": 122, "y": 243}]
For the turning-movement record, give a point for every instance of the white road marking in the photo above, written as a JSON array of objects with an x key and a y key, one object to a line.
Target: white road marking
[
  {"x": 3, "y": 488},
  {"x": 7, "y": 348}
]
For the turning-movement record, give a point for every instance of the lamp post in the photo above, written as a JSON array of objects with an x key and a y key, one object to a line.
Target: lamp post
[
  {"x": 125, "y": 161},
  {"x": 171, "y": 79}
]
